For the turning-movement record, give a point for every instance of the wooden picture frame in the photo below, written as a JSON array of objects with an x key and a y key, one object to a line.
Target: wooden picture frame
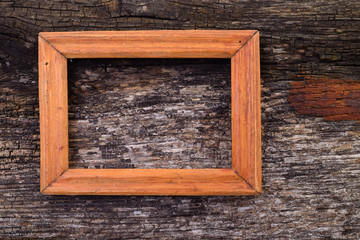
[{"x": 241, "y": 46}]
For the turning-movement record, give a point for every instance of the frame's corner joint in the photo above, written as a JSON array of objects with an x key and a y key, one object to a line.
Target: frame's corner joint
[
  {"x": 43, "y": 191},
  {"x": 257, "y": 192},
  {"x": 50, "y": 44}
]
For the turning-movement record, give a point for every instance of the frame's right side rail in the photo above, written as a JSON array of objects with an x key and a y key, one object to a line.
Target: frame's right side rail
[{"x": 246, "y": 113}]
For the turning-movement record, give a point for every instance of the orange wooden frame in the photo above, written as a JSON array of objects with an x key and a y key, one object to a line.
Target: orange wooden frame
[{"x": 242, "y": 46}]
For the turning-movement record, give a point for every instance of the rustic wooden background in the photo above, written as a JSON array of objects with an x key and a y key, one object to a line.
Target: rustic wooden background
[{"x": 175, "y": 114}]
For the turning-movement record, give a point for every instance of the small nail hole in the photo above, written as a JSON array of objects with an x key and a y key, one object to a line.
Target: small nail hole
[
  {"x": 46, "y": 63},
  {"x": 239, "y": 41}
]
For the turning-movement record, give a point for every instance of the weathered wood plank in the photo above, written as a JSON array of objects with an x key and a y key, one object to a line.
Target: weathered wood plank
[
  {"x": 311, "y": 186},
  {"x": 151, "y": 113}
]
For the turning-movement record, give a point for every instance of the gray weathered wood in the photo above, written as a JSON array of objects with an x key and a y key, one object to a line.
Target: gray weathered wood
[{"x": 311, "y": 165}]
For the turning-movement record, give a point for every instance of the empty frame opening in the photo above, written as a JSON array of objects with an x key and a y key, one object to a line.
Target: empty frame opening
[{"x": 149, "y": 113}]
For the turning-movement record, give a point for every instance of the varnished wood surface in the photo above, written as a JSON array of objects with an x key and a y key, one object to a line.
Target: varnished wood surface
[
  {"x": 196, "y": 182},
  {"x": 149, "y": 44},
  {"x": 53, "y": 113},
  {"x": 246, "y": 113},
  {"x": 244, "y": 54}
]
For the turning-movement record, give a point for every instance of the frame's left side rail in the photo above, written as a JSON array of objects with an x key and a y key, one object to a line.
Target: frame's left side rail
[{"x": 53, "y": 113}]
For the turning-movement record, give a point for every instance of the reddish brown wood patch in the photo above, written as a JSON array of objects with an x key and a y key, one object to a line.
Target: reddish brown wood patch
[{"x": 335, "y": 100}]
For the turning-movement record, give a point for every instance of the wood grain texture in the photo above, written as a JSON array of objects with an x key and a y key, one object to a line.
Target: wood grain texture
[
  {"x": 149, "y": 44},
  {"x": 170, "y": 44},
  {"x": 246, "y": 113},
  {"x": 333, "y": 99},
  {"x": 197, "y": 182},
  {"x": 53, "y": 113},
  {"x": 311, "y": 185},
  {"x": 165, "y": 113}
]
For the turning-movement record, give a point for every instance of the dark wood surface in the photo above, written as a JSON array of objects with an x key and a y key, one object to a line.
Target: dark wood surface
[
  {"x": 150, "y": 113},
  {"x": 311, "y": 150}
]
